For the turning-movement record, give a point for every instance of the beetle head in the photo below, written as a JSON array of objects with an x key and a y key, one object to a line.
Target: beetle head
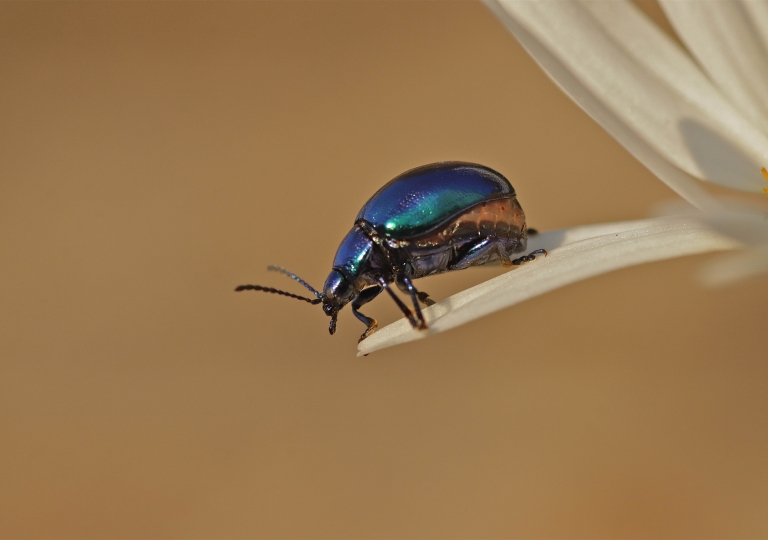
[{"x": 338, "y": 291}]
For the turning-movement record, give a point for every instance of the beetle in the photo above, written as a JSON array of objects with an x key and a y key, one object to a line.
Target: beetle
[{"x": 432, "y": 219}]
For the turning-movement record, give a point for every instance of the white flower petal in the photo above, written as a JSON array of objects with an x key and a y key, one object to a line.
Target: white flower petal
[
  {"x": 734, "y": 267},
  {"x": 758, "y": 13},
  {"x": 747, "y": 223},
  {"x": 743, "y": 224},
  {"x": 643, "y": 89},
  {"x": 610, "y": 247},
  {"x": 730, "y": 41}
]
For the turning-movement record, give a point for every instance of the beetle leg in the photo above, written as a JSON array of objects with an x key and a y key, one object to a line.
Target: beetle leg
[
  {"x": 504, "y": 255},
  {"x": 363, "y": 298},
  {"x": 425, "y": 299},
  {"x": 476, "y": 255},
  {"x": 407, "y": 312},
  {"x": 479, "y": 254},
  {"x": 530, "y": 257},
  {"x": 405, "y": 283},
  {"x": 422, "y": 296}
]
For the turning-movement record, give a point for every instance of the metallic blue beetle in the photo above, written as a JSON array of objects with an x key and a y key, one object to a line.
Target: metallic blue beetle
[{"x": 431, "y": 219}]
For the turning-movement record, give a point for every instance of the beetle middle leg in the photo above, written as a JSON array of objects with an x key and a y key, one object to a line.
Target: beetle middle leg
[
  {"x": 421, "y": 295},
  {"x": 425, "y": 299},
  {"x": 407, "y": 312},
  {"x": 406, "y": 285},
  {"x": 363, "y": 298}
]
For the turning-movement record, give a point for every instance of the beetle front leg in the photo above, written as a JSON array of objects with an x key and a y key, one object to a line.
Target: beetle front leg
[
  {"x": 363, "y": 298},
  {"x": 405, "y": 284}
]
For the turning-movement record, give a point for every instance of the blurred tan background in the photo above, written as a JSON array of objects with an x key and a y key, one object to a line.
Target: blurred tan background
[{"x": 155, "y": 155}]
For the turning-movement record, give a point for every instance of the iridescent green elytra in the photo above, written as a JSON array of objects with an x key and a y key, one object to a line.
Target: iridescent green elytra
[{"x": 421, "y": 199}]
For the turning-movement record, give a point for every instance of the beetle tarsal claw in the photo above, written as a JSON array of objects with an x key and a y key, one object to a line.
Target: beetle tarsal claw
[{"x": 368, "y": 331}]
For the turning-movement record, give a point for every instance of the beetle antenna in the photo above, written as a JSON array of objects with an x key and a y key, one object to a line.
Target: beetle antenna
[
  {"x": 277, "y": 291},
  {"x": 295, "y": 278}
]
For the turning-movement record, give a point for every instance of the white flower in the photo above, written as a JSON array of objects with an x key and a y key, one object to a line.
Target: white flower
[{"x": 683, "y": 122}]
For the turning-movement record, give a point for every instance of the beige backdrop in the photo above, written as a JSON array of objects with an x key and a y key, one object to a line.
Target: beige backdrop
[{"x": 155, "y": 155}]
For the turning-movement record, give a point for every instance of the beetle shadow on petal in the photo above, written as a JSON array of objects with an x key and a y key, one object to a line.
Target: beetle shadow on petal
[{"x": 718, "y": 158}]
